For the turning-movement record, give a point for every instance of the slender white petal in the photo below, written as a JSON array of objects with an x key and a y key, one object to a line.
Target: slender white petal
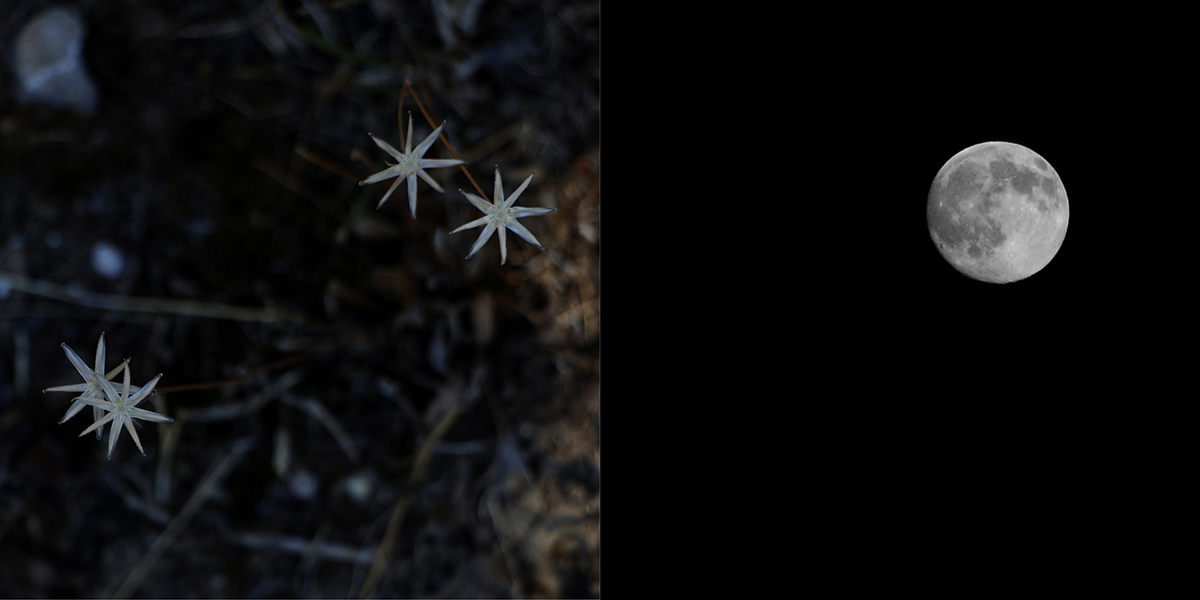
[
  {"x": 96, "y": 413},
  {"x": 387, "y": 173},
  {"x": 478, "y": 202},
  {"x": 483, "y": 237},
  {"x": 430, "y": 181},
  {"x": 74, "y": 409},
  {"x": 423, "y": 147},
  {"x": 113, "y": 432},
  {"x": 389, "y": 192},
  {"x": 96, "y": 402},
  {"x": 145, "y": 415},
  {"x": 145, "y": 391},
  {"x": 84, "y": 370},
  {"x": 396, "y": 154},
  {"x": 412, "y": 196},
  {"x": 110, "y": 392},
  {"x": 513, "y": 198},
  {"x": 132, "y": 432},
  {"x": 100, "y": 355},
  {"x": 503, "y": 245},
  {"x": 408, "y": 139},
  {"x": 473, "y": 224},
  {"x": 520, "y": 230},
  {"x": 97, "y": 424},
  {"x": 517, "y": 212},
  {"x": 117, "y": 369},
  {"x": 74, "y": 387},
  {"x": 437, "y": 163}
]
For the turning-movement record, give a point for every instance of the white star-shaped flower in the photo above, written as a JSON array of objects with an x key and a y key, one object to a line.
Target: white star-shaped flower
[
  {"x": 122, "y": 410},
  {"x": 409, "y": 166},
  {"x": 90, "y": 387},
  {"x": 502, "y": 215}
]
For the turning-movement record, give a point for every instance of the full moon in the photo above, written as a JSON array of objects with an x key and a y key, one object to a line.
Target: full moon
[{"x": 998, "y": 212}]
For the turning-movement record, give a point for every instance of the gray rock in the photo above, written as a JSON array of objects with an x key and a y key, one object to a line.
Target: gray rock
[
  {"x": 49, "y": 62},
  {"x": 108, "y": 260}
]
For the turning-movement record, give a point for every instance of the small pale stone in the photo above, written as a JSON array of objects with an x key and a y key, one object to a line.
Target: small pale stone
[
  {"x": 49, "y": 62},
  {"x": 360, "y": 486},
  {"x": 302, "y": 484},
  {"x": 108, "y": 260}
]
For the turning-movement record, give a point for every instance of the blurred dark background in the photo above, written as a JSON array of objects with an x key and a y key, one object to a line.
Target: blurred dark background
[{"x": 188, "y": 187}]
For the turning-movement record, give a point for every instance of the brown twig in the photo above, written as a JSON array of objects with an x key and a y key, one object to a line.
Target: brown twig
[
  {"x": 190, "y": 308},
  {"x": 207, "y": 488},
  {"x": 283, "y": 362},
  {"x": 298, "y": 545},
  {"x": 326, "y": 164},
  {"x": 445, "y": 142},
  {"x": 400, "y": 110},
  {"x": 285, "y": 179},
  {"x": 383, "y": 552}
]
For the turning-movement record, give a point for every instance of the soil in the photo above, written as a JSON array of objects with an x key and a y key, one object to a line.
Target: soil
[{"x": 358, "y": 409}]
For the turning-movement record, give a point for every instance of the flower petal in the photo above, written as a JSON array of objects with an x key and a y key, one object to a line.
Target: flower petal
[
  {"x": 518, "y": 212},
  {"x": 132, "y": 432},
  {"x": 100, "y": 423},
  {"x": 116, "y": 369},
  {"x": 473, "y": 224},
  {"x": 520, "y": 230},
  {"x": 96, "y": 402},
  {"x": 503, "y": 247},
  {"x": 73, "y": 410},
  {"x": 144, "y": 392},
  {"x": 513, "y": 198},
  {"x": 430, "y": 181},
  {"x": 387, "y": 147},
  {"x": 114, "y": 432},
  {"x": 389, "y": 192},
  {"x": 74, "y": 387},
  {"x": 408, "y": 139},
  {"x": 79, "y": 365},
  {"x": 387, "y": 173},
  {"x": 483, "y": 237},
  {"x": 96, "y": 414},
  {"x": 438, "y": 163},
  {"x": 145, "y": 415},
  {"x": 125, "y": 387},
  {"x": 110, "y": 391},
  {"x": 412, "y": 196},
  {"x": 423, "y": 147},
  {"x": 100, "y": 355},
  {"x": 479, "y": 203}
]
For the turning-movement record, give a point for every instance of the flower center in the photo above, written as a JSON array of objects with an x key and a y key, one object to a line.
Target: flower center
[{"x": 411, "y": 163}]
